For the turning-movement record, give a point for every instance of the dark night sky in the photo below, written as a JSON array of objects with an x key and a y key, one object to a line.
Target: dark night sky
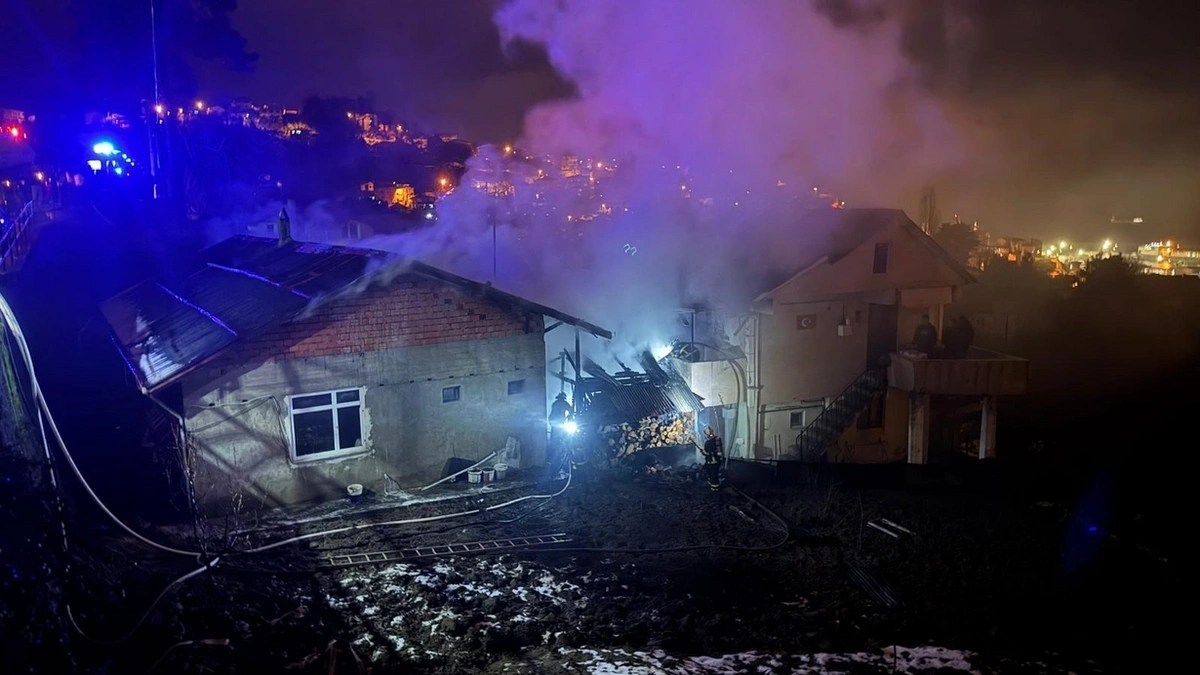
[
  {"x": 1085, "y": 107},
  {"x": 435, "y": 62}
]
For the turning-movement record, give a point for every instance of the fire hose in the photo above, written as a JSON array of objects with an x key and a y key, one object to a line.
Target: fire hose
[
  {"x": 47, "y": 419},
  {"x": 10, "y": 319}
]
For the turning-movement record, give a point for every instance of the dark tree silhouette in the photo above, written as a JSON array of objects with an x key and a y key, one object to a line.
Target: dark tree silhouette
[
  {"x": 327, "y": 116},
  {"x": 1114, "y": 273},
  {"x": 958, "y": 239}
]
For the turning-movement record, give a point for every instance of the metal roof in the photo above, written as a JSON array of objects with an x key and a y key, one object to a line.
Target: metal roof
[
  {"x": 629, "y": 397},
  {"x": 604, "y": 403},
  {"x": 249, "y": 284}
]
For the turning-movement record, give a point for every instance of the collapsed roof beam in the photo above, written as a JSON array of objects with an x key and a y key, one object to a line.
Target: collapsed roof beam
[{"x": 552, "y": 326}]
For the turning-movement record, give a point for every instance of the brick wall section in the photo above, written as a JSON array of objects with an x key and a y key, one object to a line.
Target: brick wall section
[{"x": 404, "y": 313}]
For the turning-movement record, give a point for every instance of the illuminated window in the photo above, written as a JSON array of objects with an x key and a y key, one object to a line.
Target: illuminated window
[
  {"x": 326, "y": 425},
  {"x": 516, "y": 387},
  {"x": 451, "y": 394},
  {"x": 881, "y": 259}
]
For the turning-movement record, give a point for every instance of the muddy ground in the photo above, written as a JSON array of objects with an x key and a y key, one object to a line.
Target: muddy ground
[{"x": 1003, "y": 584}]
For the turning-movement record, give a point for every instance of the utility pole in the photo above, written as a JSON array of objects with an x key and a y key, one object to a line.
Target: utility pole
[
  {"x": 495, "y": 254},
  {"x": 152, "y": 114},
  {"x": 928, "y": 215}
]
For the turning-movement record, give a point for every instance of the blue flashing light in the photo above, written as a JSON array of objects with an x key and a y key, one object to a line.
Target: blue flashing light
[{"x": 104, "y": 148}]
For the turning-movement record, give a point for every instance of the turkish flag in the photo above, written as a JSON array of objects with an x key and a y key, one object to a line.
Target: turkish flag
[{"x": 806, "y": 322}]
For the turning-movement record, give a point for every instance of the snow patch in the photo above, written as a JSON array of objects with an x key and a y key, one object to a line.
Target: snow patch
[{"x": 889, "y": 660}]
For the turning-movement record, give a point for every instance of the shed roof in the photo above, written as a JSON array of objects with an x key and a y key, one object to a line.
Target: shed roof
[{"x": 248, "y": 284}]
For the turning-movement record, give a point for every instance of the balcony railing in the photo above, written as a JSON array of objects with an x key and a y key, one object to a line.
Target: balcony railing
[{"x": 981, "y": 373}]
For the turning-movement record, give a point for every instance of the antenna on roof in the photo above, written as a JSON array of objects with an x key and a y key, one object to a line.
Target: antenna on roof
[{"x": 284, "y": 229}]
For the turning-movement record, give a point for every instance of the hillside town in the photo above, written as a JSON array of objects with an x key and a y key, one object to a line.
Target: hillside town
[{"x": 583, "y": 351}]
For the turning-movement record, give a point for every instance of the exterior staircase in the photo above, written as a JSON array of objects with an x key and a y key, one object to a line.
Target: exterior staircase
[
  {"x": 815, "y": 439},
  {"x": 16, "y": 230}
]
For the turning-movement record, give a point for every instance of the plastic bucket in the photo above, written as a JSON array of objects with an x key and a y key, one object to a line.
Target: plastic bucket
[
  {"x": 354, "y": 491},
  {"x": 474, "y": 476},
  {"x": 489, "y": 475},
  {"x": 501, "y": 470}
]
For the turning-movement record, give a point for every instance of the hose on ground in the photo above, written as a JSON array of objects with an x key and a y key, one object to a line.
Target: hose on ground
[
  {"x": 128, "y": 634},
  {"x": 408, "y": 521},
  {"x": 787, "y": 535},
  {"x": 7, "y": 314}
]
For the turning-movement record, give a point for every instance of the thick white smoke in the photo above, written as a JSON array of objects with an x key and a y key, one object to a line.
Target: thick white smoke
[{"x": 718, "y": 114}]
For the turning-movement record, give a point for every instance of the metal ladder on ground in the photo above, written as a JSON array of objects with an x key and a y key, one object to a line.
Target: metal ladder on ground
[{"x": 377, "y": 557}]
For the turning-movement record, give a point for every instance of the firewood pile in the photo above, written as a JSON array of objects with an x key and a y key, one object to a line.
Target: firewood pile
[{"x": 652, "y": 432}]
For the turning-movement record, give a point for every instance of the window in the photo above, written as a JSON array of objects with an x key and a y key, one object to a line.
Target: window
[
  {"x": 872, "y": 416},
  {"x": 881, "y": 258},
  {"x": 326, "y": 425},
  {"x": 797, "y": 420},
  {"x": 516, "y": 387},
  {"x": 451, "y": 394}
]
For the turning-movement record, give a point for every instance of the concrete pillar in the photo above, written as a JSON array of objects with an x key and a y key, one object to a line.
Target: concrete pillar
[
  {"x": 918, "y": 428},
  {"x": 987, "y": 429}
]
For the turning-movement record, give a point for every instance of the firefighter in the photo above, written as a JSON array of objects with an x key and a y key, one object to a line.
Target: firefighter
[
  {"x": 561, "y": 414},
  {"x": 714, "y": 455}
]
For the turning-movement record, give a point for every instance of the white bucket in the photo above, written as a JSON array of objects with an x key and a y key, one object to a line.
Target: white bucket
[
  {"x": 354, "y": 490},
  {"x": 474, "y": 476},
  {"x": 500, "y": 470},
  {"x": 489, "y": 475}
]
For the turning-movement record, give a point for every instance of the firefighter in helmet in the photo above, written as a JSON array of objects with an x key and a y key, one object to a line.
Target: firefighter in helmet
[
  {"x": 562, "y": 425},
  {"x": 714, "y": 456}
]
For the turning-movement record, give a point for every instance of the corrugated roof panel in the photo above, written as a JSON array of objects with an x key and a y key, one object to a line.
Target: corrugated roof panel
[
  {"x": 297, "y": 264},
  {"x": 249, "y": 284},
  {"x": 608, "y": 403},
  {"x": 334, "y": 277},
  {"x": 242, "y": 302},
  {"x": 238, "y": 250},
  {"x": 161, "y": 334}
]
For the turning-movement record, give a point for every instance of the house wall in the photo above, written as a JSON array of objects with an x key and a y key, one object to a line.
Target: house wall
[
  {"x": 803, "y": 363},
  {"x": 402, "y": 344},
  {"x": 798, "y": 363},
  {"x": 888, "y": 443},
  {"x": 816, "y": 363}
]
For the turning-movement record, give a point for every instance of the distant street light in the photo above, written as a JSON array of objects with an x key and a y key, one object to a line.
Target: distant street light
[{"x": 1107, "y": 244}]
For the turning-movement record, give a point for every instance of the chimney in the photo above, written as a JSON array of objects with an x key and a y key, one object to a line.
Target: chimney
[{"x": 284, "y": 228}]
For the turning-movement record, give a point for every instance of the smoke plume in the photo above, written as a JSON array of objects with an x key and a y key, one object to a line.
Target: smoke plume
[{"x": 720, "y": 117}]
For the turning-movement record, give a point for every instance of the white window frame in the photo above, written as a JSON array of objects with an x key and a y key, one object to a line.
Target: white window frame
[{"x": 332, "y": 408}]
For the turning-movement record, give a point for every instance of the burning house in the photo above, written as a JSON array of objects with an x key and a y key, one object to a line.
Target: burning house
[
  {"x": 293, "y": 370},
  {"x": 645, "y": 412}
]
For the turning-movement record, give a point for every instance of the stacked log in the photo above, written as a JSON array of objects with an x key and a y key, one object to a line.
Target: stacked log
[{"x": 652, "y": 432}]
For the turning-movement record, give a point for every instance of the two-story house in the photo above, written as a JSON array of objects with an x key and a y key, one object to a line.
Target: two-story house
[{"x": 820, "y": 372}]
